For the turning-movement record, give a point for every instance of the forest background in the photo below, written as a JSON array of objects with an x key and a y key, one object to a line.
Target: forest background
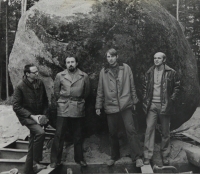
[{"x": 187, "y": 12}]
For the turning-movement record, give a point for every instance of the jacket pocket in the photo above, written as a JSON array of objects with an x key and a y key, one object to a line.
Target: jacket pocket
[
  {"x": 62, "y": 107},
  {"x": 73, "y": 108},
  {"x": 81, "y": 107}
]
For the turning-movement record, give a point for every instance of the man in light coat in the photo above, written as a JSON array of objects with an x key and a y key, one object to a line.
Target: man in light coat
[
  {"x": 160, "y": 91},
  {"x": 71, "y": 88},
  {"x": 117, "y": 95}
]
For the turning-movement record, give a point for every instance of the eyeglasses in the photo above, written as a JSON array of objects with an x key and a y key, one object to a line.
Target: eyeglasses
[{"x": 34, "y": 72}]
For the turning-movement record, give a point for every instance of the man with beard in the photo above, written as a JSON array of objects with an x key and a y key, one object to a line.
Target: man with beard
[
  {"x": 160, "y": 91},
  {"x": 30, "y": 103},
  {"x": 71, "y": 88},
  {"x": 117, "y": 94}
]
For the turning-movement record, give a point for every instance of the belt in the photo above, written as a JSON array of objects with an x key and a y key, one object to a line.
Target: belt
[{"x": 75, "y": 98}]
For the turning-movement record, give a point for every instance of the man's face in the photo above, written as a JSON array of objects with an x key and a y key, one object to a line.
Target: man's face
[
  {"x": 112, "y": 60},
  {"x": 158, "y": 59},
  {"x": 71, "y": 64},
  {"x": 33, "y": 73}
]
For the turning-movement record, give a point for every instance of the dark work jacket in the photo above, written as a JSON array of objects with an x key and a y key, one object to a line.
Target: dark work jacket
[
  {"x": 29, "y": 101},
  {"x": 170, "y": 87}
]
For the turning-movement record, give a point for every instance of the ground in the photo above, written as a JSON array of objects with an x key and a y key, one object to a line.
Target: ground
[{"x": 96, "y": 147}]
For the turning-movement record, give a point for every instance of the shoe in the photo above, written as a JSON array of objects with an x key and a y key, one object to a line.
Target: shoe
[
  {"x": 139, "y": 163},
  {"x": 53, "y": 165},
  {"x": 110, "y": 162},
  {"x": 146, "y": 161},
  {"x": 82, "y": 163},
  {"x": 38, "y": 167},
  {"x": 165, "y": 161}
]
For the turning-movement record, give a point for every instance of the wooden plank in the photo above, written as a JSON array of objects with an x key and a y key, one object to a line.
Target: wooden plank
[
  {"x": 51, "y": 135},
  {"x": 21, "y": 144},
  {"x": 23, "y": 158},
  {"x": 7, "y": 164},
  {"x": 47, "y": 170},
  {"x": 97, "y": 168},
  {"x": 146, "y": 169},
  {"x": 50, "y": 130},
  {"x": 7, "y": 153}
]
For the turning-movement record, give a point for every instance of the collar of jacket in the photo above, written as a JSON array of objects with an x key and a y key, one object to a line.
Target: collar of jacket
[
  {"x": 121, "y": 66},
  {"x": 29, "y": 84},
  {"x": 78, "y": 76},
  {"x": 78, "y": 72},
  {"x": 166, "y": 68}
]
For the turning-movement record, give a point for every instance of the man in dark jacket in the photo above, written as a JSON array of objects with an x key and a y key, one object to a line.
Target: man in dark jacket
[
  {"x": 160, "y": 89},
  {"x": 30, "y": 103},
  {"x": 117, "y": 94}
]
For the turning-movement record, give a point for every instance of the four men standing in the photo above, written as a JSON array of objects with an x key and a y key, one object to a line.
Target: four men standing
[{"x": 116, "y": 94}]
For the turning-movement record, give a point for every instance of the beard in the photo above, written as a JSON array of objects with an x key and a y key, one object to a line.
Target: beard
[{"x": 72, "y": 69}]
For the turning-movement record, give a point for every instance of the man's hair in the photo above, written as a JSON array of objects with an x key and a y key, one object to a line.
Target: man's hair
[
  {"x": 164, "y": 56},
  {"x": 27, "y": 68},
  {"x": 112, "y": 52}
]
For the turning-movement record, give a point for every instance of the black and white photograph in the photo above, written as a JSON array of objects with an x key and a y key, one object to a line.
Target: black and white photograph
[{"x": 99, "y": 86}]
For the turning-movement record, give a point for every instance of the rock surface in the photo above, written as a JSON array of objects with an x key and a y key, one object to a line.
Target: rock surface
[
  {"x": 51, "y": 30},
  {"x": 10, "y": 127}
]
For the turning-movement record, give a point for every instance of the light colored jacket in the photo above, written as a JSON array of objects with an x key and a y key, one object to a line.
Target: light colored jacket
[
  {"x": 71, "y": 95},
  {"x": 116, "y": 94}
]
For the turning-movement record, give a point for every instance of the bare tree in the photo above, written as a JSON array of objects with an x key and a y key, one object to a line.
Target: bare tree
[
  {"x": 1, "y": 52},
  {"x": 23, "y": 6},
  {"x": 177, "y": 10},
  {"x": 7, "y": 85}
]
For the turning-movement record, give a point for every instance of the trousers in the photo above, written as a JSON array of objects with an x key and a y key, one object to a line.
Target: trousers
[
  {"x": 61, "y": 128},
  {"x": 113, "y": 125},
  {"x": 152, "y": 116},
  {"x": 35, "y": 148}
]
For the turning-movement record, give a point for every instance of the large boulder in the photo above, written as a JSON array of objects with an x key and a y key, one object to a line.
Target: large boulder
[{"x": 51, "y": 30}]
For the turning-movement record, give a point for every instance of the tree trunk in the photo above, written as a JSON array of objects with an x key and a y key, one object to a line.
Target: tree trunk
[
  {"x": 7, "y": 87},
  {"x": 177, "y": 10},
  {"x": 1, "y": 51},
  {"x": 23, "y": 6}
]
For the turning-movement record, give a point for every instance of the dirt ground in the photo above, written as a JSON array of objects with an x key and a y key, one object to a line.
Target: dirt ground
[{"x": 96, "y": 147}]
